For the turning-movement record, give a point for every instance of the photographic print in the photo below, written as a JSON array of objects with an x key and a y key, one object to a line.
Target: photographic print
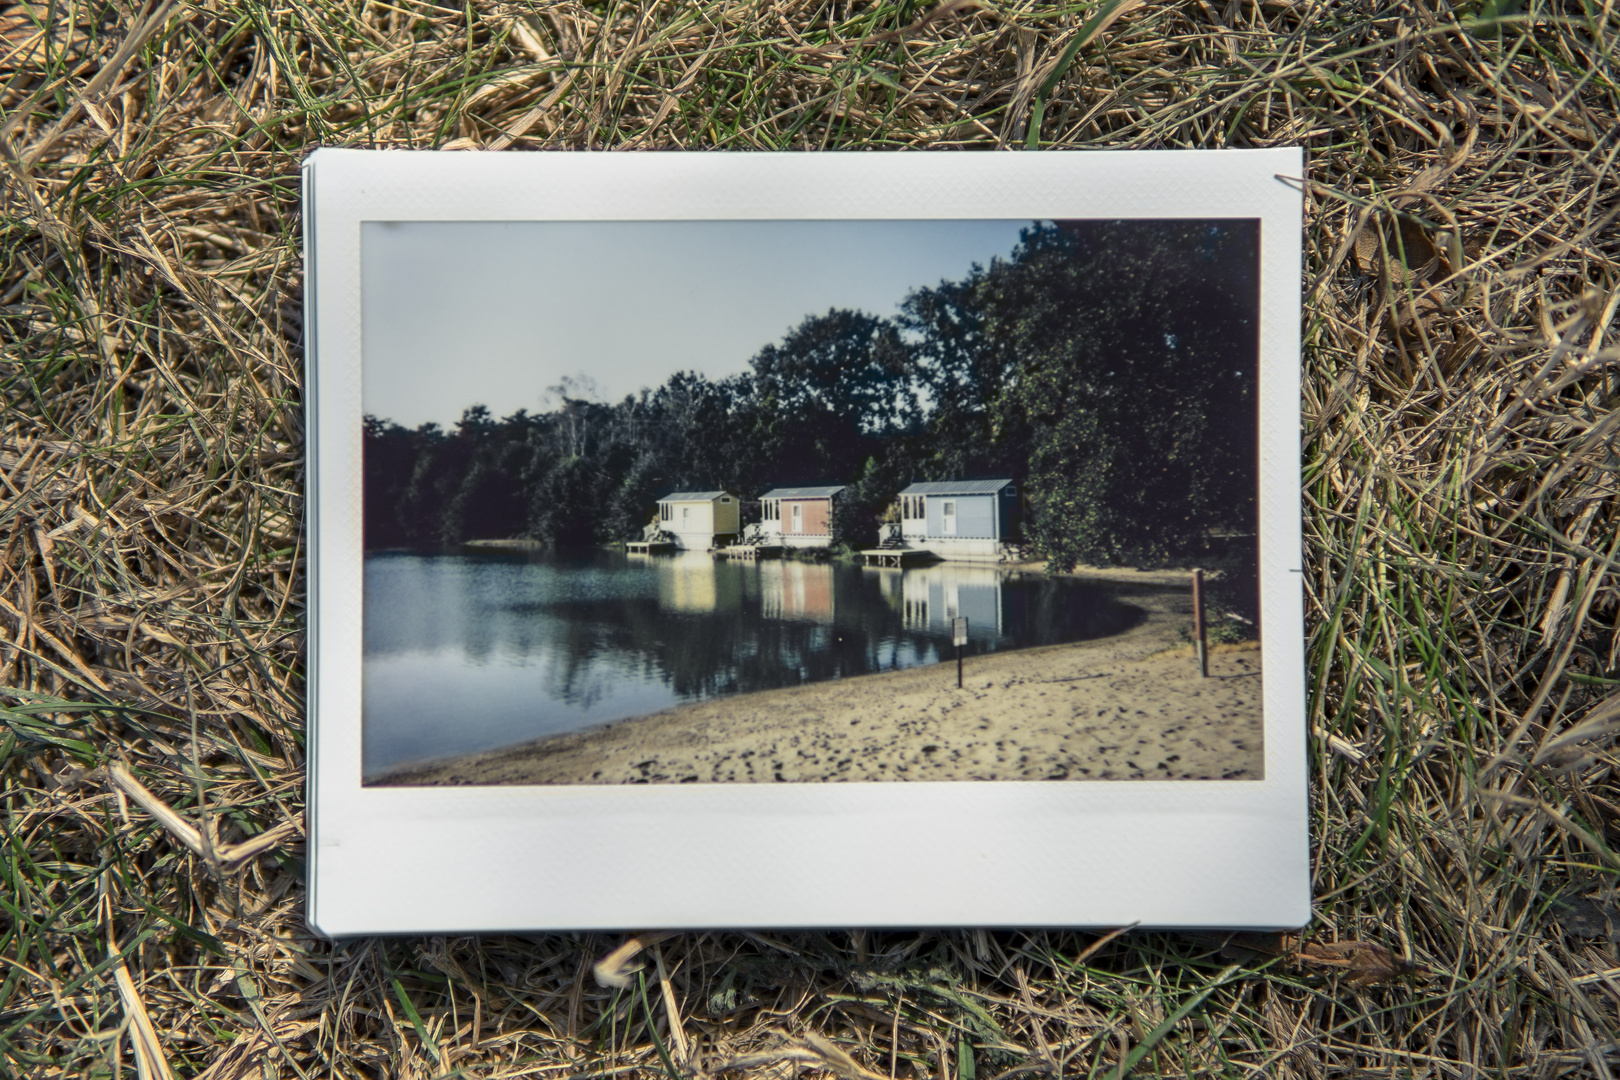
[
  {"x": 719, "y": 520},
  {"x": 805, "y": 501}
]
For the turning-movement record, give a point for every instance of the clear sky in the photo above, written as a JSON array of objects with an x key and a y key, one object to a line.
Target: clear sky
[{"x": 494, "y": 313}]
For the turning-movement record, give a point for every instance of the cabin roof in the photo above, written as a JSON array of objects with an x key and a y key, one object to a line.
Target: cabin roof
[
  {"x": 803, "y": 492},
  {"x": 957, "y": 487},
  {"x": 693, "y": 496}
]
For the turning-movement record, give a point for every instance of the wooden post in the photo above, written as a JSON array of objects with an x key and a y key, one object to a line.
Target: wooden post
[
  {"x": 959, "y": 635},
  {"x": 1198, "y": 624}
]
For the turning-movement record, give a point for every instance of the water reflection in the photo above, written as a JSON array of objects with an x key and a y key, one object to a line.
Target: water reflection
[
  {"x": 930, "y": 598},
  {"x": 796, "y": 590},
  {"x": 466, "y": 652},
  {"x": 688, "y": 583}
]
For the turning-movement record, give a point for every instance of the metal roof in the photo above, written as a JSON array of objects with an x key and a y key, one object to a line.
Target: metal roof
[
  {"x": 804, "y": 492},
  {"x": 693, "y": 496},
  {"x": 957, "y": 487}
]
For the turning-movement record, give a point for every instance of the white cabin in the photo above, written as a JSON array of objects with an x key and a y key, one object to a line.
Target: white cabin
[{"x": 700, "y": 519}]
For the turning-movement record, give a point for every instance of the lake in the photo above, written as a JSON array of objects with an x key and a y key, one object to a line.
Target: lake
[{"x": 471, "y": 651}]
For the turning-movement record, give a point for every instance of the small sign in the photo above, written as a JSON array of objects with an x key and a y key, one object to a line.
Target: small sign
[{"x": 959, "y": 631}]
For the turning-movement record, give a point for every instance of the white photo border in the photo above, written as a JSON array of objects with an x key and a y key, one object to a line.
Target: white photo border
[{"x": 1232, "y": 854}]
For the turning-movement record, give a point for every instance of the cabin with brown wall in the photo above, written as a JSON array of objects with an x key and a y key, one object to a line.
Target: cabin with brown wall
[{"x": 799, "y": 516}]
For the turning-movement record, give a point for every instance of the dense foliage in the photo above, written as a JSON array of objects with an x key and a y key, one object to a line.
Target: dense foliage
[{"x": 1110, "y": 367}]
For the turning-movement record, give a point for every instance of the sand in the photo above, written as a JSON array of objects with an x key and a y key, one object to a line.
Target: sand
[{"x": 1128, "y": 707}]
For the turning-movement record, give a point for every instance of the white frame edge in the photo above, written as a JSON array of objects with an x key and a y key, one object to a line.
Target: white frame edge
[{"x": 1080, "y": 853}]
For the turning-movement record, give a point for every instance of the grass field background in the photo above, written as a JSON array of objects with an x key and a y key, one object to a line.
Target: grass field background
[{"x": 1459, "y": 448}]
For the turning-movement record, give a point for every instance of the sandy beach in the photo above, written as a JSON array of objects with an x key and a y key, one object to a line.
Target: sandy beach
[{"x": 1128, "y": 707}]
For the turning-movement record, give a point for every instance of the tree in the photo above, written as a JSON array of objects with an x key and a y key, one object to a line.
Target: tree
[
  {"x": 388, "y": 454},
  {"x": 691, "y": 429},
  {"x": 846, "y": 364},
  {"x": 828, "y": 395},
  {"x": 634, "y": 498},
  {"x": 960, "y": 373},
  {"x": 564, "y": 512},
  {"x": 1135, "y": 377},
  {"x": 859, "y": 508}
]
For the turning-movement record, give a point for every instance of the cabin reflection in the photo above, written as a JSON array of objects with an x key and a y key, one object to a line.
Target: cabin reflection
[
  {"x": 928, "y": 598},
  {"x": 690, "y": 582},
  {"x": 796, "y": 590}
]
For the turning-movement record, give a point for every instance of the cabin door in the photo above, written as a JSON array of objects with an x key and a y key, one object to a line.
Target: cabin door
[
  {"x": 798, "y": 517},
  {"x": 947, "y": 517}
]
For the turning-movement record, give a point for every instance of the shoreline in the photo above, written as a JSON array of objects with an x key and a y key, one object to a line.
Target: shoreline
[
  {"x": 1121, "y": 575},
  {"x": 1126, "y": 707}
]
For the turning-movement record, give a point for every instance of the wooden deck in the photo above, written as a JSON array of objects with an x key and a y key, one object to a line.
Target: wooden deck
[
  {"x": 893, "y": 557},
  {"x": 648, "y": 547},
  {"x": 750, "y": 551}
]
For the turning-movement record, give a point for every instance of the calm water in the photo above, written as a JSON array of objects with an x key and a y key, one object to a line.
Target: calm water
[{"x": 468, "y": 652}]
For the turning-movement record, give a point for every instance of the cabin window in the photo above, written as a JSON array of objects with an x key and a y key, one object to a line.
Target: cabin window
[
  {"x": 663, "y": 511},
  {"x": 725, "y": 500}
]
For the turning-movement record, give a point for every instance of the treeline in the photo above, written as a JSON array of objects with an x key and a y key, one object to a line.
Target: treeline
[{"x": 1109, "y": 367}]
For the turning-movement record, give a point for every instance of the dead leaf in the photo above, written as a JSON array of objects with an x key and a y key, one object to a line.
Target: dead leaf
[
  {"x": 948, "y": 8},
  {"x": 241, "y": 1059},
  {"x": 1366, "y": 250},
  {"x": 181, "y": 829},
  {"x": 614, "y": 969},
  {"x": 532, "y": 117},
  {"x": 1585, "y": 739},
  {"x": 836, "y": 1057},
  {"x": 150, "y": 1062},
  {"x": 31, "y": 31},
  {"x": 527, "y": 33},
  {"x": 814, "y": 1050},
  {"x": 1090, "y": 950},
  {"x": 1585, "y": 918},
  {"x": 1416, "y": 250},
  {"x": 1364, "y": 963},
  {"x": 227, "y": 856},
  {"x": 1403, "y": 254},
  {"x": 249, "y": 1057},
  {"x": 1414, "y": 318}
]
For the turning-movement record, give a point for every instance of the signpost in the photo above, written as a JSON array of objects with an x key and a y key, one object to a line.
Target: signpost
[
  {"x": 1198, "y": 624},
  {"x": 959, "y": 639}
]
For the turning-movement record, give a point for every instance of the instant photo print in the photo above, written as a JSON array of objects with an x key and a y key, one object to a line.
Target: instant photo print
[{"x": 845, "y": 539}]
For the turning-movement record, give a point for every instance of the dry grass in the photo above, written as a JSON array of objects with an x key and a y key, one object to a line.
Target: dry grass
[{"x": 1462, "y": 519}]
